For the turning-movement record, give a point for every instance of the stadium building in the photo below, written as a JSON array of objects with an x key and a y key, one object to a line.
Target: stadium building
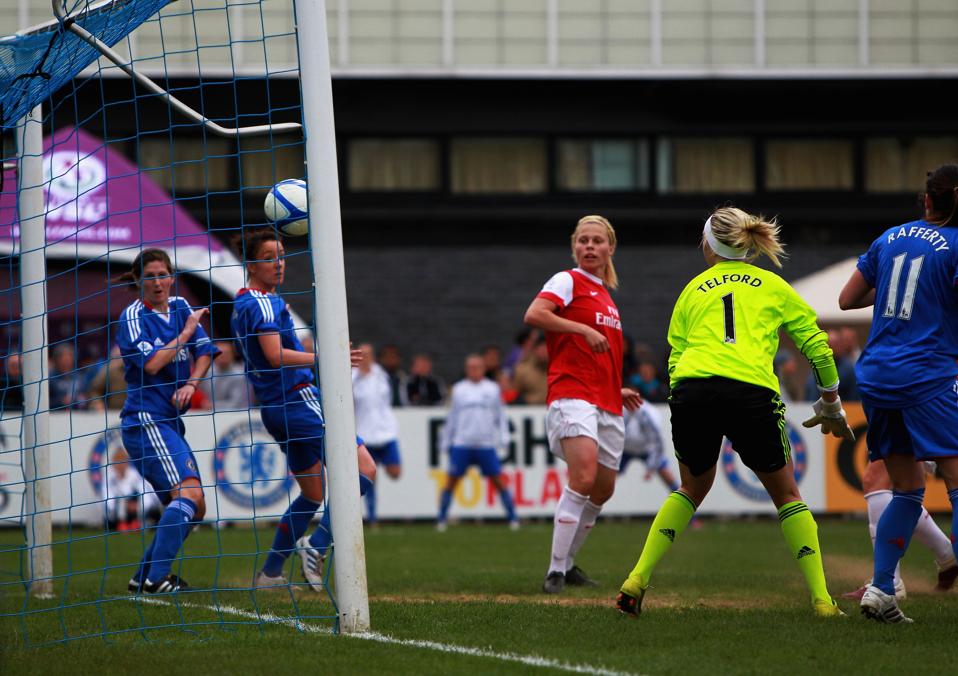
[{"x": 472, "y": 135}]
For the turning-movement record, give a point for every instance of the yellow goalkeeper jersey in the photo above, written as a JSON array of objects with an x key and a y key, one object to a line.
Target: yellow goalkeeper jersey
[{"x": 726, "y": 323}]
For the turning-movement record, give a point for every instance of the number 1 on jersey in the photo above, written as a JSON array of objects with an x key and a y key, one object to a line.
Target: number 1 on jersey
[{"x": 728, "y": 300}]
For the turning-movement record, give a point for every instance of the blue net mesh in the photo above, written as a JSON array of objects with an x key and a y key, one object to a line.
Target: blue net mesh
[{"x": 123, "y": 173}]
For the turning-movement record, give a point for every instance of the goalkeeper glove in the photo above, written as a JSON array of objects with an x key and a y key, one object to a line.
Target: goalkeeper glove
[{"x": 831, "y": 416}]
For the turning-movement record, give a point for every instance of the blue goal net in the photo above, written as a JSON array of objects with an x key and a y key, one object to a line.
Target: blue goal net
[{"x": 142, "y": 486}]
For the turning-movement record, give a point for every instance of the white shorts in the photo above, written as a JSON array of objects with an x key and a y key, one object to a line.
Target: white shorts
[{"x": 578, "y": 418}]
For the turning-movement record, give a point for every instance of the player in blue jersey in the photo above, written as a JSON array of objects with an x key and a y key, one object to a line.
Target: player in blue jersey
[
  {"x": 906, "y": 373},
  {"x": 165, "y": 353},
  {"x": 281, "y": 373}
]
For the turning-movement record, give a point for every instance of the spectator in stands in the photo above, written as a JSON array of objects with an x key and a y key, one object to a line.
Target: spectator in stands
[
  {"x": 492, "y": 360},
  {"x": 422, "y": 387},
  {"x": 845, "y": 363},
  {"x": 532, "y": 374},
  {"x": 108, "y": 387},
  {"x": 66, "y": 382},
  {"x": 391, "y": 360},
  {"x": 227, "y": 388},
  {"x": 525, "y": 341},
  {"x": 785, "y": 366},
  {"x": 647, "y": 381},
  {"x": 11, "y": 385}
]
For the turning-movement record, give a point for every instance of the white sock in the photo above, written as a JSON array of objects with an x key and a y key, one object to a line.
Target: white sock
[
  {"x": 589, "y": 514},
  {"x": 929, "y": 534},
  {"x": 564, "y": 527},
  {"x": 877, "y": 501}
]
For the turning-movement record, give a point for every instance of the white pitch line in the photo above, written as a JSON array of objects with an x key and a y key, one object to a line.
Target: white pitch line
[{"x": 270, "y": 618}]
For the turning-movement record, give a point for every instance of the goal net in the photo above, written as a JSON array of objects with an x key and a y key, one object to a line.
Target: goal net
[{"x": 138, "y": 125}]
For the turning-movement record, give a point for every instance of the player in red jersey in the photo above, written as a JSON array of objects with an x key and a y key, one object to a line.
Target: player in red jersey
[{"x": 584, "y": 423}]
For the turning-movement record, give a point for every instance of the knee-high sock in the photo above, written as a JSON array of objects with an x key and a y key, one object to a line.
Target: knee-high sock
[
  {"x": 895, "y": 528},
  {"x": 801, "y": 534},
  {"x": 953, "y": 496},
  {"x": 673, "y": 518},
  {"x": 291, "y": 527},
  {"x": 589, "y": 514},
  {"x": 508, "y": 504},
  {"x": 445, "y": 500},
  {"x": 564, "y": 526},
  {"x": 370, "y": 502},
  {"x": 322, "y": 537},
  {"x": 929, "y": 534},
  {"x": 877, "y": 501},
  {"x": 172, "y": 530}
]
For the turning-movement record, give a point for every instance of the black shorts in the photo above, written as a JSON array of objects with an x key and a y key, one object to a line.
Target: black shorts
[{"x": 752, "y": 418}]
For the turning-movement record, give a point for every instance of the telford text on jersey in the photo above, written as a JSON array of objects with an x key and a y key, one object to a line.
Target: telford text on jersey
[{"x": 725, "y": 279}]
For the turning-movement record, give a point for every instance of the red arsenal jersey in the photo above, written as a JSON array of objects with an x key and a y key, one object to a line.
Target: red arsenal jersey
[{"x": 575, "y": 371}]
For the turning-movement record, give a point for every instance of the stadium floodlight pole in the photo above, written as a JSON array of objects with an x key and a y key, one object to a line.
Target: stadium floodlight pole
[
  {"x": 35, "y": 424},
  {"x": 330, "y": 318}
]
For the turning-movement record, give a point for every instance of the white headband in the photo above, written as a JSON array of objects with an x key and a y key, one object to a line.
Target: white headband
[{"x": 723, "y": 250}]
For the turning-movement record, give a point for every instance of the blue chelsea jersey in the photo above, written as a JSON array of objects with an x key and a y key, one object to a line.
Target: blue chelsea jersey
[
  {"x": 140, "y": 332},
  {"x": 911, "y": 350},
  {"x": 256, "y": 312}
]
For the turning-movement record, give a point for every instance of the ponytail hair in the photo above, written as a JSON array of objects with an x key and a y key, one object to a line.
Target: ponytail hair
[
  {"x": 742, "y": 230},
  {"x": 941, "y": 187},
  {"x": 610, "y": 278},
  {"x": 135, "y": 273}
]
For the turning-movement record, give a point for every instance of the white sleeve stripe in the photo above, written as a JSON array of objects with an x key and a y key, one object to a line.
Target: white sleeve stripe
[
  {"x": 132, "y": 320},
  {"x": 265, "y": 306}
]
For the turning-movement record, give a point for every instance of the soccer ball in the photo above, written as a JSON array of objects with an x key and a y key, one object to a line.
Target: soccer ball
[{"x": 287, "y": 208}]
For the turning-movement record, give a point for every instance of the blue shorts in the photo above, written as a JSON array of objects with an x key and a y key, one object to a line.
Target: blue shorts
[
  {"x": 159, "y": 451},
  {"x": 461, "y": 457},
  {"x": 927, "y": 431},
  {"x": 298, "y": 427},
  {"x": 385, "y": 454}
]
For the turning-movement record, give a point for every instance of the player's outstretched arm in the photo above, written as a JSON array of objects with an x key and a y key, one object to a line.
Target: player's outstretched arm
[{"x": 857, "y": 293}]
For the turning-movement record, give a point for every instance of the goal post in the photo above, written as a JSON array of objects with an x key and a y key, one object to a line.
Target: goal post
[
  {"x": 35, "y": 423},
  {"x": 332, "y": 326}
]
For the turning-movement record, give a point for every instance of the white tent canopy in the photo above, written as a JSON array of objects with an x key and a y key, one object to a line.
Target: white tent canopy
[{"x": 821, "y": 289}]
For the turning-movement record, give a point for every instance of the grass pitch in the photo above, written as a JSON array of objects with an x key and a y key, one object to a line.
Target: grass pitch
[{"x": 727, "y": 599}]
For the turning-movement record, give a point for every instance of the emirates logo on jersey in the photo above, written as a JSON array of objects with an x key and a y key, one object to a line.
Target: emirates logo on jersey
[{"x": 611, "y": 320}]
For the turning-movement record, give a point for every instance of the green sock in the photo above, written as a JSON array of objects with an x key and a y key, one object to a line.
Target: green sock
[
  {"x": 801, "y": 534},
  {"x": 674, "y": 515}
]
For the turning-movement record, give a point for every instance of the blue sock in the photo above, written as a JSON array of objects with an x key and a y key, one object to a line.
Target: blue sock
[
  {"x": 322, "y": 537},
  {"x": 291, "y": 527},
  {"x": 444, "y": 501},
  {"x": 953, "y": 496},
  {"x": 365, "y": 485},
  {"x": 510, "y": 506},
  {"x": 145, "y": 562},
  {"x": 370, "y": 500},
  {"x": 895, "y": 528},
  {"x": 172, "y": 530}
]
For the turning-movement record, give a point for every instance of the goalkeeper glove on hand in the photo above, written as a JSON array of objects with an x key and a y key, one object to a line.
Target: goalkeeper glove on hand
[{"x": 831, "y": 416}]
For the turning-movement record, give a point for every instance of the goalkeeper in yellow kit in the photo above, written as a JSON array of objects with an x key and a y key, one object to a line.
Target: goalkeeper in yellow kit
[{"x": 724, "y": 336}]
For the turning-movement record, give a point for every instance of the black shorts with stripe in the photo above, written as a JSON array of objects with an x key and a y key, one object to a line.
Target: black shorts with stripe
[{"x": 752, "y": 418}]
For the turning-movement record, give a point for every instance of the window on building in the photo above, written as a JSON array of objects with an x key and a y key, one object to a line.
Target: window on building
[
  {"x": 269, "y": 160},
  {"x": 900, "y": 164},
  {"x": 190, "y": 165},
  {"x": 393, "y": 164},
  {"x": 809, "y": 164},
  {"x": 603, "y": 164},
  {"x": 705, "y": 165},
  {"x": 498, "y": 165}
]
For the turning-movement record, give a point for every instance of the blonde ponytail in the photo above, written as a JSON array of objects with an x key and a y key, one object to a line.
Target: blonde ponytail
[
  {"x": 741, "y": 230},
  {"x": 610, "y": 278}
]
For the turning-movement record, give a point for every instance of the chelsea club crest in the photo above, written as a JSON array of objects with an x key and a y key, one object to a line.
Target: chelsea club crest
[
  {"x": 250, "y": 468},
  {"x": 744, "y": 481}
]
